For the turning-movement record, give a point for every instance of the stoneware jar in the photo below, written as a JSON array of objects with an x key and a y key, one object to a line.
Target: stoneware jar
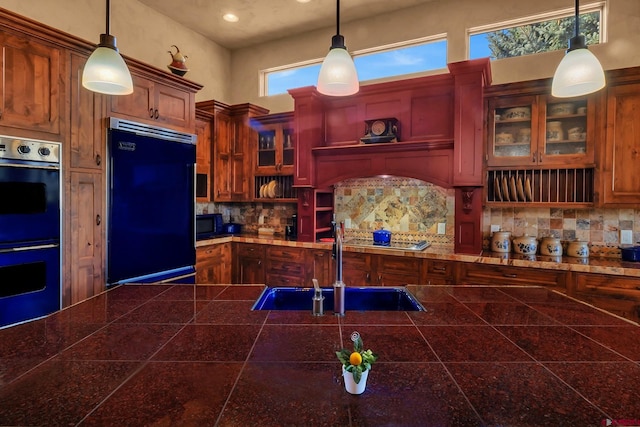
[
  {"x": 525, "y": 245},
  {"x": 501, "y": 241},
  {"x": 578, "y": 249},
  {"x": 551, "y": 246}
]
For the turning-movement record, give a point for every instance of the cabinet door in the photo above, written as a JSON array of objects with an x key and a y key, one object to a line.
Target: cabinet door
[
  {"x": 173, "y": 107},
  {"x": 139, "y": 104},
  {"x": 85, "y": 246},
  {"x": 213, "y": 264},
  {"x": 567, "y": 131},
  {"x": 31, "y": 91},
  {"x": 204, "y": 128},
  {"x": 250, "y": 264},
  {"x": 251, "y": 270},
  {"x": 87, "y": 141},
  {"x": 222, "y": 158},
  {"x": 512, "y": 131},
  {"x": 241, "y": 164},
  {"x": 356, "y": 269},
  {"x": 395, "y": 270},
  {"x": 619, "y": 295},
  {"x": 319, "y": 267},
  {"x": 275, "y": 149},
  {"x": 620, "y": 184}
]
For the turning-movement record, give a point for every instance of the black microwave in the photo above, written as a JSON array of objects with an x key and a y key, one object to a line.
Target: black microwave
[{"x": 208, "y": 225}]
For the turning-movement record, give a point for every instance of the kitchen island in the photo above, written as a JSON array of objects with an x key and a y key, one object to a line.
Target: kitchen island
[{"x": 198, "y": 355}]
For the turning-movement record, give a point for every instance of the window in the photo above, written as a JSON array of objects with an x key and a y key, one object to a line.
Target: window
[
  {"x": 389, "y": 61},
  {"x": 542, "y": 33}
]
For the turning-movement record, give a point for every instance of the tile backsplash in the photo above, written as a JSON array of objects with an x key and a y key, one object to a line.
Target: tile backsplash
[{"x": 412, "y": 209}]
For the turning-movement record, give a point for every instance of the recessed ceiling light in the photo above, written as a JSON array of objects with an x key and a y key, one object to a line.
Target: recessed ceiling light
[
  {"x": 303, "y": 1},
  {"x": 230, "y": 17}
]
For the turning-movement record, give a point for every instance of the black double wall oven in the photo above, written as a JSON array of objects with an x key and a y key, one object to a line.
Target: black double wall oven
[{"x": 30, "y": 229}]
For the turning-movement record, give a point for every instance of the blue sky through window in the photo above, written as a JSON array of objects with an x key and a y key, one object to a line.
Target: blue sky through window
[{"x": 375, "y": 65}]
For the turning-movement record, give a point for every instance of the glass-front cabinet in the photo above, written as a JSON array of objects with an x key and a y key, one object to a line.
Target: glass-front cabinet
[
  {"x": 539, "y": 130},
  {"x": 276, "y": 145}
]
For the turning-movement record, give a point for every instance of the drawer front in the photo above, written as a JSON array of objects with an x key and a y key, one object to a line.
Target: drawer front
[
  {"x": 286, "y": 253},
  {"x": 276, "y": 279},
  {"x": 251, "y": 251},
  {"x": 394, "y": 264},
  {"x": 608, "y": 285},
  {"x": 286, "y": 267},
  {"x": 471, "y": 274},
  {"x": 437, "y": 268},
  {"x": 205, "y": 252}
]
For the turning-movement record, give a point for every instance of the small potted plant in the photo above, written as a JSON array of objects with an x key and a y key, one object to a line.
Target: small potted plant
[{"x": 356, "y": 365}]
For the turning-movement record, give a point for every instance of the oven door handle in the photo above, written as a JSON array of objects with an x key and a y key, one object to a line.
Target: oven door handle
[{"x": 30, "y": 248}]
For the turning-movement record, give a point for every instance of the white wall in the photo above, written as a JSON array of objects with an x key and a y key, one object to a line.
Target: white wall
[
  {"x": 438, "y": 16},
  {"x": 141, "y": 33},
  {"x": 232, "y": 77}
]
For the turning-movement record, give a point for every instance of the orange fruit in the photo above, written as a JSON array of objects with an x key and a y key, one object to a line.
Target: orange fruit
[{"x": 355, "y": 359}]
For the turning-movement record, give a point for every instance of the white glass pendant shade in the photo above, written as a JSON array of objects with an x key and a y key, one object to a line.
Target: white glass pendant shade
[
  {"x": 579, "y": 73},
  {"x": 106, "y": 72},
  {"x": 338, "y": 75}
]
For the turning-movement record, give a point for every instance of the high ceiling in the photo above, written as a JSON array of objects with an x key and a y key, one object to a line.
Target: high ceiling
[{"x": 264, "y": 20}]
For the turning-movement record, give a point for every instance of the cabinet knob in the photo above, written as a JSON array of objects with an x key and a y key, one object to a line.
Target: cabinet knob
[
  {"x": 439, "y": 269},
  {"x": 511, "y": 276},
  {"x": 379, "y": 278},
  {"x": 533, "y": 160},
  {"x": 156, "y": 114},
  {"x": 259, "y": 262},
  {"x": 98, "y": 159},
  {"x": 368, "y": 276},
  {"x": 151, "y": 113},
  {"x": 98, "y": 219}
]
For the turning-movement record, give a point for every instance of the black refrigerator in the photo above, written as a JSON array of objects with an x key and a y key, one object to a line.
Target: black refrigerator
[{"x": 151, "y": 204}]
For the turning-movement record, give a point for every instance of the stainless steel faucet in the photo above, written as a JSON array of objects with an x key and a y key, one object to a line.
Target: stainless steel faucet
[{"x": 338, "y": 286}]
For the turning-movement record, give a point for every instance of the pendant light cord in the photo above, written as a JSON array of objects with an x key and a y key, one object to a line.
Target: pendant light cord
[
  {"x": 338, "y": 17},
  {"x": 108, "y": 17},
  {"x": 577, "y": 25}
]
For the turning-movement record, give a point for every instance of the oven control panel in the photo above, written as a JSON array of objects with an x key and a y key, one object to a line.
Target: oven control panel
[{"x": 13, "y": 148}]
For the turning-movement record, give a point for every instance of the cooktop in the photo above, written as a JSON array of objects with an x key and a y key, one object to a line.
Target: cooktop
[{"x": 407, "y": 246}]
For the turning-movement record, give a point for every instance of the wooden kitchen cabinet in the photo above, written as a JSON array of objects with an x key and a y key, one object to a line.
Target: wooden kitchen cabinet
[
  {"x": 84, "y": 236},
  {"x": 360, "y": 269},
  {"x": 619, "y": 185},
  {"x": 439, "y": 272},
  {"x": 286, "y": 266},
  {"x": 213, "y": 264},
  {"x": 319, "y": 266},
  {"x": 250, "y": 261},
  {"x": 156, "y": 103},
  {"x": 32, "y": 88},
  {"x": 274, "y": 145},
  {"x": 232, "y": 159},
  {"x": 539, "y": 130},
  {"x": 204, "y": 148},
  {"x": 486, "y": 274},
  {"x": 616, "y": 294}
]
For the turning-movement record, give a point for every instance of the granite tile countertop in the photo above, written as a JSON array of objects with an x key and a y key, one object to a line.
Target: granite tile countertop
[
  {"x": 599, "y": 265},
  {"x": 197, "y": 355}
]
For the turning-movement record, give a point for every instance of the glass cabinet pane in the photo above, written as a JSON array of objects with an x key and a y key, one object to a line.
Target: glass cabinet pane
[
  {"x": 267, "y": 148},
  {"x": 566, "y": 128},
  {"x": 287, "y": 146},
  {"x": 512, "y": 132}
]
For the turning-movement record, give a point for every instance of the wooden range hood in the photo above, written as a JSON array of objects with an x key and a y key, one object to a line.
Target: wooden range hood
[{"x": 440, "y": 120}]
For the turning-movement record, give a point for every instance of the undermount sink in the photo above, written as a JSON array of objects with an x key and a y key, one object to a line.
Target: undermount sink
[{"x": 381, "y": 298}]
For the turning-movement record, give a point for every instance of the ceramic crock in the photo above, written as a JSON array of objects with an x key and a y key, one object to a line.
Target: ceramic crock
[
  {"x": 551, "y": 246},
  {"x": 501, "y": 242},
  {"x": 525, "y": 245},
  {"x": 578, "y": 249}
]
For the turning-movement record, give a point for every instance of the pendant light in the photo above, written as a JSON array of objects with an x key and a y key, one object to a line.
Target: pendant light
[
  {"x": 338, "y": 76},
  {"x": 105, "y": 70},
  {"x": 579, "y": 72}
]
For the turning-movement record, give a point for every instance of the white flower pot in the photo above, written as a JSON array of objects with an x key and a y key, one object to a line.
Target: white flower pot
[{"x": 350, "y": 384}]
